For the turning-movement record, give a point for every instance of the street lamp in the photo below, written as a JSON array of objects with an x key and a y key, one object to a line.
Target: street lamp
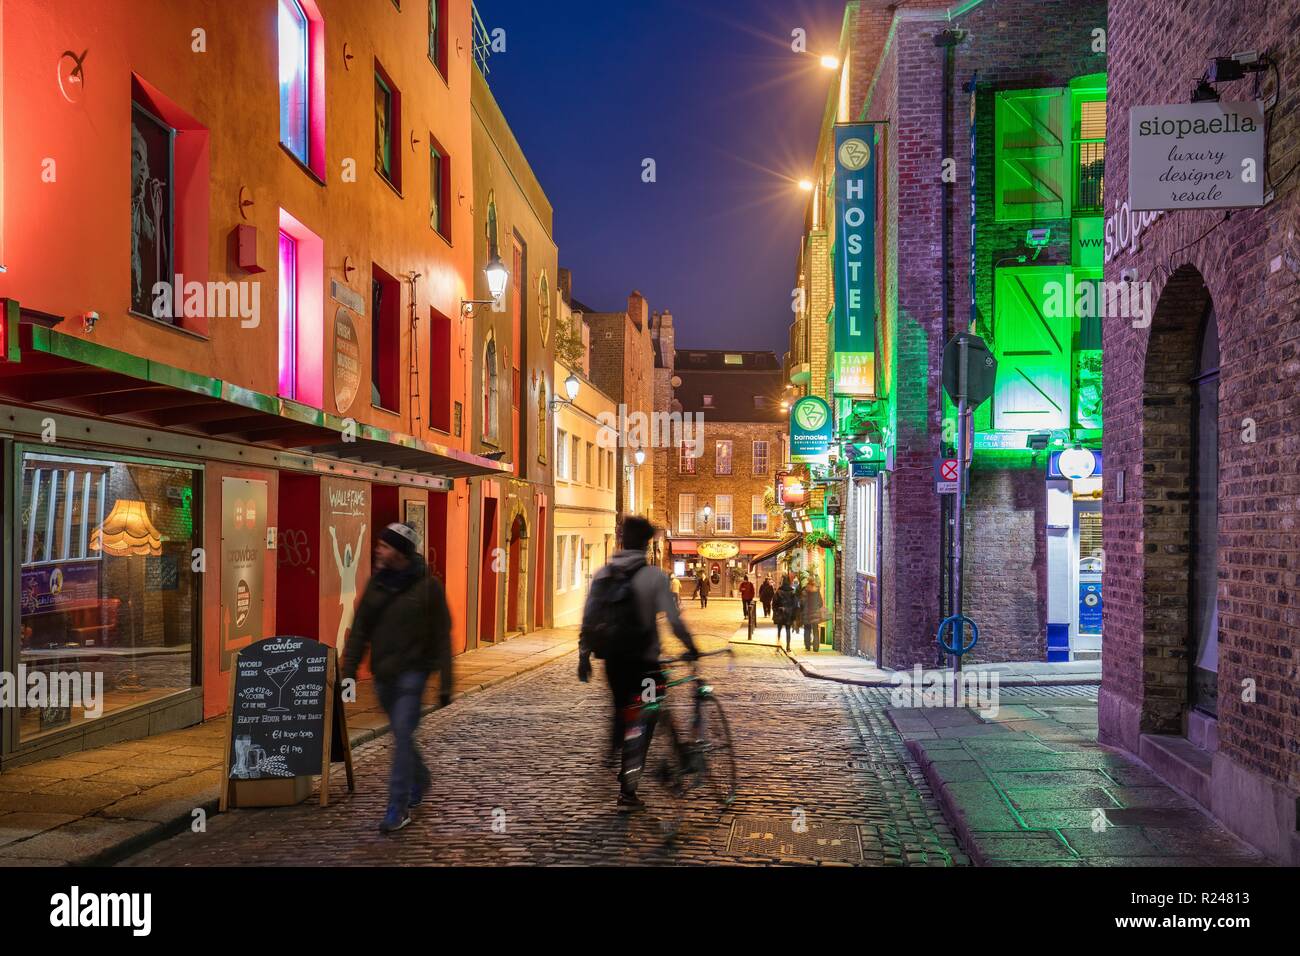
[
  {"x": 708, "y": 513},
  {"x": 572, "y": 385},
  {"x": 639, "y": 457},
  {"x": 806, "y": 185},
  {"x": 830, "y": 62},
  {"x": 498, "y": 276}
]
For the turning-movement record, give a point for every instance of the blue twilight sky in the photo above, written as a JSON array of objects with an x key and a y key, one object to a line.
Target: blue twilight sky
[{"x": 710, "y": 90}]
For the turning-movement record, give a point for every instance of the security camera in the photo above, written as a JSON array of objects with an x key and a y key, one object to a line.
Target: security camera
[{"x": 88, "y": 322}]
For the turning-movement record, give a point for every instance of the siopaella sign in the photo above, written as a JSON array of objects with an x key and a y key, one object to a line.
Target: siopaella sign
[{"x": 1196, "y": 156}]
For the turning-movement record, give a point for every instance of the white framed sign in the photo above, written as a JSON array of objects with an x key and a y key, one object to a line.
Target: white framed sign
[{"x": 1196, "y": 156}]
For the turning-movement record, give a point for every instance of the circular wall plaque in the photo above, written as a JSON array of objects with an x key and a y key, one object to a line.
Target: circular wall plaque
[{"x": 347, "y": 361}]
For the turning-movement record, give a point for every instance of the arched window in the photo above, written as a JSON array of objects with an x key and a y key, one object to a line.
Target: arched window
[
  {"x": 490, "y": 394},
  {"x": 543, "y": 433}
]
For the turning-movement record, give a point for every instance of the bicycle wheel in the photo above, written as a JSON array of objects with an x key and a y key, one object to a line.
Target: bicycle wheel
[
  {"x": 662, "y": 784},
  {"x": 714, "y": 744}
]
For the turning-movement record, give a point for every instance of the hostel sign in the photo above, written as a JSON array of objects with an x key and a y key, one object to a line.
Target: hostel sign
[{"x": 855, "y": 260}]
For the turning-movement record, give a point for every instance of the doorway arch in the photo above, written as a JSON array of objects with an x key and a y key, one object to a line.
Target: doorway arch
[
  {"x": 1179, "y": 504},
  {"x": 517, "y": 574}
]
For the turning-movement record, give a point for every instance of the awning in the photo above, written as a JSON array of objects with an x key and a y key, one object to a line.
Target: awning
[
  {"x": 772, "y": 552},
  {"x": 73, "y": 374}
]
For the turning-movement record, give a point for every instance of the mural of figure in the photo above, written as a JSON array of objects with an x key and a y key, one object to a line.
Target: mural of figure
[{"x": 347, "y": 564}]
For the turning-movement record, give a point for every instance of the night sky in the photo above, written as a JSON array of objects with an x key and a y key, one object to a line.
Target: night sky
[{"x": 709, "y": 89}]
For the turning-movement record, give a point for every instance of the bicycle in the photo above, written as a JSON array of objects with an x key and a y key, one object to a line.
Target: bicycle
[{"x": 701, "y": 762}]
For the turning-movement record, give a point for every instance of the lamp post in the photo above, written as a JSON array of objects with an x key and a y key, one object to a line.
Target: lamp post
[
  {"x": 572, "y": 386},
  {"x": 498, "y": 277}
]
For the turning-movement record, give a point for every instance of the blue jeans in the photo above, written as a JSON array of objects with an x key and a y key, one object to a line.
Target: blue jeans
[{"x": 400, "y": 699}]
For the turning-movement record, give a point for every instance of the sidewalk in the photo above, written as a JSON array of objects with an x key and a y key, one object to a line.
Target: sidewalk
[
  {"x": 1030, "y": 786},
  {"x": 828, "y": 664},
  {"x": 96, "y": 806}
]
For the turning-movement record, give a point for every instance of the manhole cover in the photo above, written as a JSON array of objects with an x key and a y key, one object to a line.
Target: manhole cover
[{"x": 777, "y": 836}]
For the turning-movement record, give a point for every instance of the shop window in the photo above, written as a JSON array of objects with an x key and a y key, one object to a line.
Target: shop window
[
  {"x": 757, "y": 515},
  {"x": 106, "y": 586},
  {"x": 169, "y": 209},
  {"x": 438, "y": 35},
  {"x": 867, "y": 529},
  {"x": 722, "y": 458},
  {"x": 385, "y": 339},
  {"x": 388, "y": 123},
  {"x": 288, "y": 316},
  {"x": 439, "y": 190},
  {"x": 439, "y": 371}
]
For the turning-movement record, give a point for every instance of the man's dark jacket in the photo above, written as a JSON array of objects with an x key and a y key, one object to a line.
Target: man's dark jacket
[{"x": 404, "y": 618}]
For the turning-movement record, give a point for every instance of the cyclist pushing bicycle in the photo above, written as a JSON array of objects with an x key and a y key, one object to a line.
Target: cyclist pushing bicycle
[{"x": 620, "y": 625}]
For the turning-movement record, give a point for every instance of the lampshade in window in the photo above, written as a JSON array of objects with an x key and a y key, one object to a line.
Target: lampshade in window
[{"x": 126, "y": 531}]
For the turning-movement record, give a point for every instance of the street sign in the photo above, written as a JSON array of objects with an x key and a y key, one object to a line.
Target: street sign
[
  {"x": 866, "y": 469},
  {"x": 947, "y": 476},
  {"x": 981, "y": 369}
]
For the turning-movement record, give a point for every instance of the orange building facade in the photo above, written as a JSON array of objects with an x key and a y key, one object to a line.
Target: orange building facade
[{"x": 236, "y": 242}]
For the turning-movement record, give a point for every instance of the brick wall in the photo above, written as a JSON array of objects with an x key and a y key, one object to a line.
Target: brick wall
[{"x": 1249, "y": 266}]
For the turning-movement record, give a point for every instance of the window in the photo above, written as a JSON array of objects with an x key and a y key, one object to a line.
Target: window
[
  {"x": 439, "y": 190},
  {"x": 757, "y": 515},
  {"x": 388, "y": 123},
  {"x": 760, "y": 401},
  {"x": 294, "y": 128},
  {"x": 385, "y": 335},
  {"x": 609, "y": 470},
  {"x": 575, "y": 556},
  {"x": 106, "y": 580},
  {"x": 686, "y": 459},
  {"x": 288, "y": 316},
  {"x": 577, "y": 447},
  {"x": 600, "y": 467},
  {"x": 686, "y": 514},
  {"x": 708, "y": 401},
  {"x": 722, "y": 458},
  {"x": 438, "y": 35},
  {"x": 733, "y": 359},
  {"x": 722, "y": 506},
  {"x": 440, "y": 402},
  {"x": 561, "y": 567},
  {"x": 590, "y": 474},
  {"x": 543, "y": 408},
  {"x": 760, "y": 458},
  {"x": 491, "y": 397},
  {"x": 867, "y": 532},
  {"x": 1090, "y": 155},
  {"x": 561, "y": 453}
]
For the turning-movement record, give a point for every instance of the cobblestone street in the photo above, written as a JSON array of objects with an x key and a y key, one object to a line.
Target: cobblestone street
[{"x": 526, "y": 756}]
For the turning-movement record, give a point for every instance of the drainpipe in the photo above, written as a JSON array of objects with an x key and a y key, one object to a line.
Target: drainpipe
[{"x": 947, "y": 41}]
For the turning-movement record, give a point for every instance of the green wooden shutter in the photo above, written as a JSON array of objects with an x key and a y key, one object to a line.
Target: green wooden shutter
[
  {"x": 1032, "y": 332},
  {"x": 1032, "y": 179}
]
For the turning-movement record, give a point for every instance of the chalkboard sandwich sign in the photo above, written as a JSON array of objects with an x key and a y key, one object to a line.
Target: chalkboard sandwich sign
[{"x": 286, "y": 723}]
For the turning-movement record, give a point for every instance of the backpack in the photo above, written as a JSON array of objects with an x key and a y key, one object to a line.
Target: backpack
[{"x": 612, "y": 625}]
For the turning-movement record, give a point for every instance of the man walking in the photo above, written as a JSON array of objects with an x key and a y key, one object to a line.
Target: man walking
[
  {"x": 404, "y": 620},
  {"x": 746, "y": 596},
  {"x": 620, "y": 624},
  {"x": 702, "y": 589},
  {"x": 785, "y": 610},
  {"x": 765, "y": 594}
]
